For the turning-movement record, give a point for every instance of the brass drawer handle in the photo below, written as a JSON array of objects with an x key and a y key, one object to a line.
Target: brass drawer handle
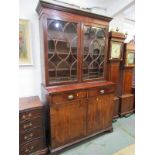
[
  {"x": 26, "y": 116},
  {"x": 26, "y": 150},
  {"x": 28, "y": 136},
  {"x": 28, "y": 125},
  {"x": 102, "y": 91},
  {"x": 32, "y": 147},
  {"x": 70, "y": 97},
  {"x": 29, "y": 150}
]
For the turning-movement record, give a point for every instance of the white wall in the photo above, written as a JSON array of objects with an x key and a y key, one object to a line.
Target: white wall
[
  {"x": 124, "y": 26},
  {"x": 30, "y": 76}
]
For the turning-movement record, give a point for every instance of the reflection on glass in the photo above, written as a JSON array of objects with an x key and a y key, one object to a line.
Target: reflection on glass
[
  {"x": 93, "y": 52},
  {"x": 62, "y": 50}
]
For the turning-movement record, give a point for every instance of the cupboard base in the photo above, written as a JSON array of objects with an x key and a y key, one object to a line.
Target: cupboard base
[
  {"x": 126, "y": 104},
  {"x": 126, "y": 113},
  {"x": 60, "y": 149},
  {"x": 41, "y": 152},
  {"x": 116, "y": 108}
]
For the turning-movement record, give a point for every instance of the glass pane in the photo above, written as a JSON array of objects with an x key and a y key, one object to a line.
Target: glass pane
[
  {"x": 93, "y": 54},
  {"x": 62, "y": 50}
]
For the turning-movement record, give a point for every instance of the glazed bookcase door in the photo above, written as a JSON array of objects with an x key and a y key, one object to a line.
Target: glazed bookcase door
[
  {"x": 94, "y": 43},
  {"x": 62, "y": 51}
]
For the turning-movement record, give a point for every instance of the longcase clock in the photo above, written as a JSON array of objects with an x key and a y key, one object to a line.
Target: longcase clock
[
  {"x": 127, "y": 78},
  {"x": 115, "y": 57}
]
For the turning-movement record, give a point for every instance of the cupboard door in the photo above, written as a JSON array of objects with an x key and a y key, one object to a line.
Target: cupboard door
[
  {"x": 68, "y": 122},
  {"x": 100, "y": 112},
  {"x": 108, "y": 110},
  {"x": 94, "y": 49}
]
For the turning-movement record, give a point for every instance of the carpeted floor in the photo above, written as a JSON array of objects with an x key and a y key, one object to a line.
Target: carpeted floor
[{"x": 122, "y": 136}]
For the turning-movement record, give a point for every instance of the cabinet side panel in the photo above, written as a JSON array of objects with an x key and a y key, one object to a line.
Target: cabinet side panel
[
  {"x": 42, "y": 49},
  {"x": 113, "y": 73},
  {"x": 127, "y": 80}
]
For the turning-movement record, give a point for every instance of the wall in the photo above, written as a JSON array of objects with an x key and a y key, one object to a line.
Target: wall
[
  {"x": 30, "y": 76},
  {"x": 124, "y": 26}
]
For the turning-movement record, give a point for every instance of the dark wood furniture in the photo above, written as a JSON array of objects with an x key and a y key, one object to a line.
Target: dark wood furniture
[
  {"x": 133, "y": 92},
  {"x": 31, "y": 127},
  {"x": 127, "y": 73},
  {"x": 74, "y": 47},
  {"x": 133, "y": 87},
  {"x": 79, "y": 111},
  {"x": 115, "y": 58}
]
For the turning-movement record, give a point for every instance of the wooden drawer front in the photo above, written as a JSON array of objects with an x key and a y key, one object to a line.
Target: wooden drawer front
[
  {"x": 30, "y": 124},
  {"x": 31, "y": 147},
  {"x": 30, "y": 114},
  {"x": 61, "y": 98},
  {"x": 99, "y": 91},
  {"x": 31, "y": 134}
]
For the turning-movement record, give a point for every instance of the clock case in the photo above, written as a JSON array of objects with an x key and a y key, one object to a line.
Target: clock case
[
  {"x": 126, "y": 96},
  {"x": 116, "y": 38},
  {"x": 114, "y": 68}
]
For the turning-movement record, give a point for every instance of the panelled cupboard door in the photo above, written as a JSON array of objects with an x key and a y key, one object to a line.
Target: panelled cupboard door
[
  {"x": 68, "y": 122},
  {"x": 100, "y": 111},
  {"x": 108, "y": 109}
]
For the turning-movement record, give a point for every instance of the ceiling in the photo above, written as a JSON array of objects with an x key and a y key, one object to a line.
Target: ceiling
[
  {"x": 129, "y": 13},
  {"x": 86, "y": 3},
  {"x": 112, "y": 8}
]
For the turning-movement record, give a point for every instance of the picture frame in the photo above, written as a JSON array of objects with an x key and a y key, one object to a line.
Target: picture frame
[
  {"x": 25, "y": 51},
  {"x": 115, "y": 50},
  {"x": 130, "y": 58}
]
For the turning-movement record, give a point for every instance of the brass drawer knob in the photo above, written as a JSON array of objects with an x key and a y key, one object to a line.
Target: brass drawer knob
[
  {"x": 70, "y": 97},
  {"x": 25, "y": 137},
  {"x": 30, "y": 115},
  {"x": 23, "y": 117},
  {"x": 102, "y": 91}
]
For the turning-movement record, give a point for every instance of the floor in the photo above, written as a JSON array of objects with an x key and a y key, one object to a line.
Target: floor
[
  {"x": 122, "y": 136},
  {"x": 129, "y": 150}
]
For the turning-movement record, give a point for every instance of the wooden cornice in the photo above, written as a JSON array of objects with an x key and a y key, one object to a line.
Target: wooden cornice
[{"x": 43, "y": 4}]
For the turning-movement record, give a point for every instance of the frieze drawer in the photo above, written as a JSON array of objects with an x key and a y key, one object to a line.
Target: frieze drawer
[
  {"x": 68, "y": 96},
  {"x": 99, "y": 91}
]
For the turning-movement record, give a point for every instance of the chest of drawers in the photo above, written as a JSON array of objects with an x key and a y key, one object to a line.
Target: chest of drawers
[{"x": 31, "y": 126}]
